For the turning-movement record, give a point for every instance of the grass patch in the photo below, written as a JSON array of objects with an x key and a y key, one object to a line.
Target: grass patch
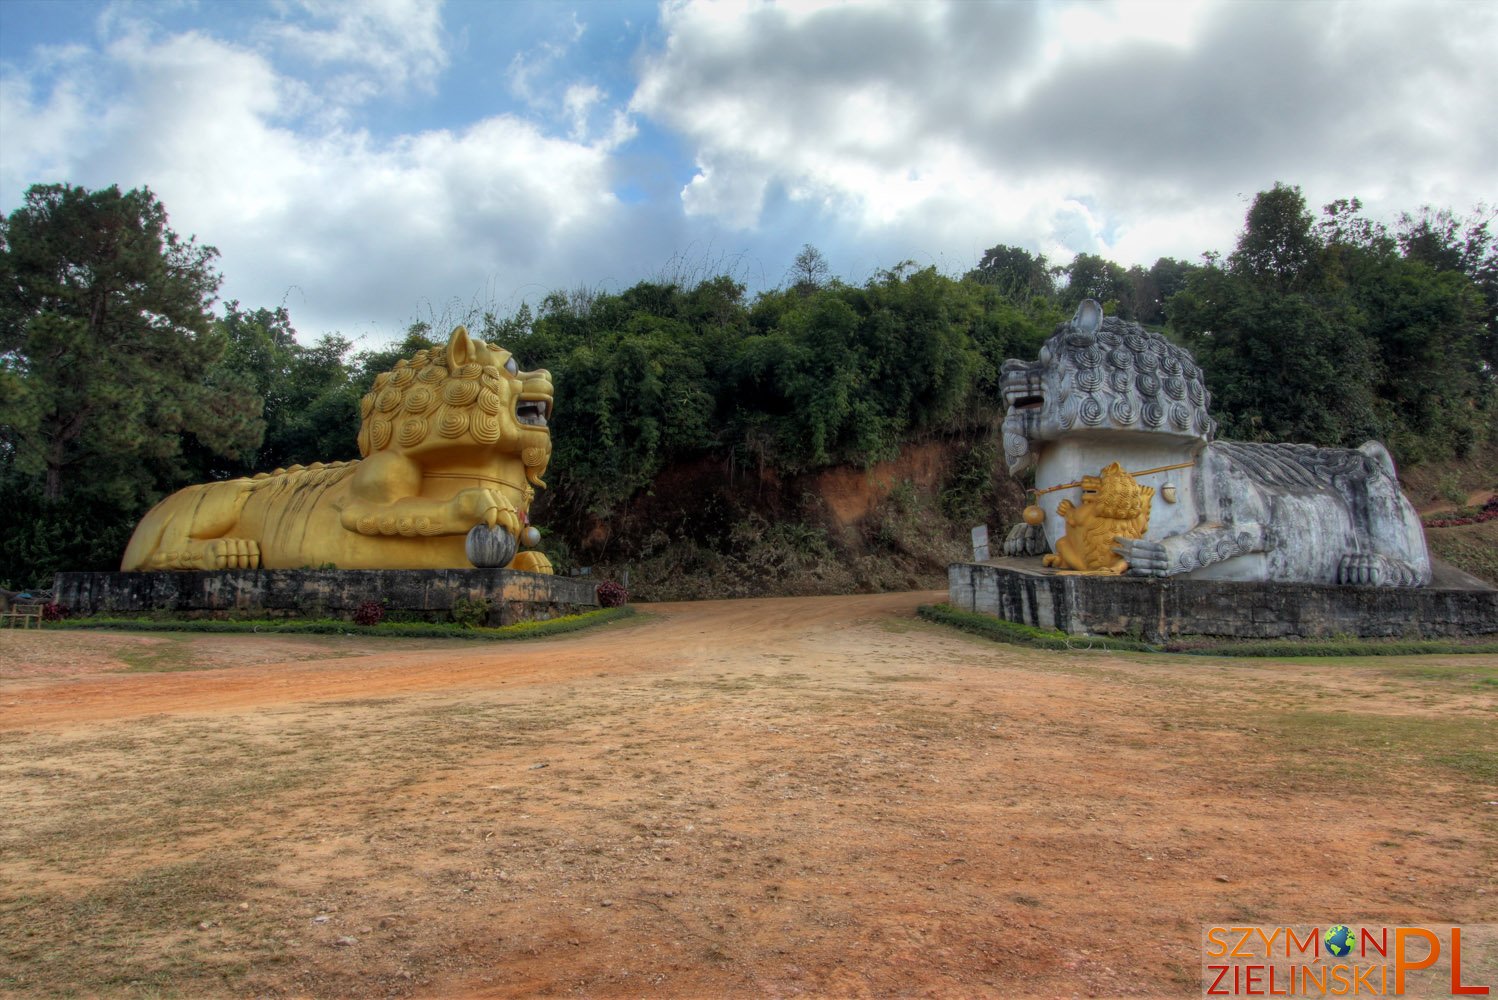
[
  {"x": 1290, "y": 649},
  {"x": 334, "y": 626},
  {"x": 1025, "y": 635},
  {"x": 1038, "y": 638},
  {"x": 1478, "y": 674},
  {"x": 135, "y": 936},
  {"x": 172, "y": 654},
  {"x": 1362, "y": 746},
  {"x": 162, "y": 776}
]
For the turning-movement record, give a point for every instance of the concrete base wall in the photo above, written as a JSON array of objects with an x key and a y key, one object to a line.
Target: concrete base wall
[
  {"x": 423, "y": 594},
  {"x": 1020, "y": 591}
]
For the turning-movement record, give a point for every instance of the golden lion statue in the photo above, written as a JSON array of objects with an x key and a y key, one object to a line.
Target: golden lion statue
[
  {"x": 1114, "y": 506},
  {"x": 449, "y": 439}
]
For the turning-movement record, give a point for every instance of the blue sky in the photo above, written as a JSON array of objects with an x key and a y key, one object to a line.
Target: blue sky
[{"x": 372, "y": 163}]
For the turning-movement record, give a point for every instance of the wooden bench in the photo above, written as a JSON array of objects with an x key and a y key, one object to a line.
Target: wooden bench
[{"x": 28, "y": 613}]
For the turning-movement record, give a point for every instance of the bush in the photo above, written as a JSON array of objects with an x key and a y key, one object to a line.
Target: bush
[
  {"x": 612, "y": 595},
  {"x": 469, "y": 612},
  {"x": 1017, "y": 634},
  {"x": 333, "y": 626},
  {"x": 1465, "y": 515},
  {"x": 370, "y": 613},
  {"x": 54, "y": 612}
]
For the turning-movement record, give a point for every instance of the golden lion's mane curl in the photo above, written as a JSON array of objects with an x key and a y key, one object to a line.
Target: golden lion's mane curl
[{"x": 420, "y": 397}]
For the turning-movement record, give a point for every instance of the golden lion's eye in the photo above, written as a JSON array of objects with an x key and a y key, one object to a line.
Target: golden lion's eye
[{"x": 512, "y": 367}]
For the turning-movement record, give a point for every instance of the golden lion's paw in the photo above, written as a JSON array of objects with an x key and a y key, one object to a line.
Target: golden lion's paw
[
  {"x": 233, "y": 553},
  {"x": 482, "y": 505},
  {"x": 218, "y": 553},
  {"x": 531, "y": 562}
]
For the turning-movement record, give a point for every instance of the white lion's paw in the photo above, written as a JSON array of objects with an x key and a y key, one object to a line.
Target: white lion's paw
[
  {"x": 1145, "y": 558},
  {"x": 1360, "y": 569},
  {"x": 1025, "y": 540}
]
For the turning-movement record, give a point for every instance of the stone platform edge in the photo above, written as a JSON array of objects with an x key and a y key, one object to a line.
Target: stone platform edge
[
  {"x": 425, "y": 594},
  {"x": 1160, "y": 609}
]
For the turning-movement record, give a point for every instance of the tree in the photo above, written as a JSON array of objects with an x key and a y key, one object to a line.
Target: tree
[
  {"x": 809, "y": 271},
  {"x": 1326, "y": 333},
  {"x": 1091, "y": 277},
  {"x": 1423, "y": 315},
  {"x": 1279, "y": 243},
  {"x": 1281, "y": 367},
  {"x": 1447, "y": 243},
  {"x": 1149, "y": 290},
  {"x": 259, "y": 348},
  {"x": 1017, "y": 274},
  {"x": 1286, "y": 360},
  {"x": 106, "y": 340}
]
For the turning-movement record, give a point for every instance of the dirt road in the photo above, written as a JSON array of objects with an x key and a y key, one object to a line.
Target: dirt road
[{"x": 819, "y": 797}]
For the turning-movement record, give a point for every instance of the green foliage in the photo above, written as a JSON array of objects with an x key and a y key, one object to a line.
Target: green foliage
[
  {"x": 966, "y": 497},
  {"x": 106, "y": 338},
  {"x": 1280, "y": 365},
  {"x": 1148, "y": 291},
  {"x": 107, "y": 357},
  {"x": 1014, "y": 633},
  {"x": 330, "y": 626},
  {"x": 1015, "y": 272},
  {"x": 1327, "y": 333},
  {"x": 1278, "y": 246},
  {"x": 117, "y": 385},
  {"x": 1464, "y": 246},
  {"x": 469, "y": 612},
  {"x": 1092, "y": 277},
  {"x": 310, "y": 394},
  {"x": 1290, "y": 648},
  {"x": 802, "y": 378},
  {"x": 39, "y": 536}
]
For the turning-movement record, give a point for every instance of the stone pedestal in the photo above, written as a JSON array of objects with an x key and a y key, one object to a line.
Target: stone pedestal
[
  {"x": 285, "y": 593},
  {"x": 1020, "y": 590}
]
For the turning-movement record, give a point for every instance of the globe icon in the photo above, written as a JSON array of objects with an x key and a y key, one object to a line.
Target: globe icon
[{"x": 1338, "y": 940}]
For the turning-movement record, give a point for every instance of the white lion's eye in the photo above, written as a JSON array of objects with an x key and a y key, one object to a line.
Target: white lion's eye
[{"x": 512, "y": 367}]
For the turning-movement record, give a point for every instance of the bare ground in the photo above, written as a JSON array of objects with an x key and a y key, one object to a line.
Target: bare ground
[{"x": 817, "y": 796}]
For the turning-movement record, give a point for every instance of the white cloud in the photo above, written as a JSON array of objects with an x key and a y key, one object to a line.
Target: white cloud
[
  {"x": 381, "y": 46},
  {"x": 42, "y": 132},
  {"x": 578, "y": 103},
  {"x": 532, "y": 74},
  {"x": 877, "y": 131},
  {"x": 1097, "y": 127},
  {"x": 355, "y": 228}
]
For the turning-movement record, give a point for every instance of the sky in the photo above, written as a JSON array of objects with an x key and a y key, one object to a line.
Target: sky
[{"x": 373, "y": 163}]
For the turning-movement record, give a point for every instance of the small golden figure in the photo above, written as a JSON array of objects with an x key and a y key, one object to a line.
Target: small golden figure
[{"x": 1113, "y": 506}]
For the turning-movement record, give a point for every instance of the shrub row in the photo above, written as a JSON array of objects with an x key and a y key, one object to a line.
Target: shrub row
[
  {"x": 1466, "y": 515},
  {"x": 331, "y": 626},
  {"x": 1025, "y": 635}
]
